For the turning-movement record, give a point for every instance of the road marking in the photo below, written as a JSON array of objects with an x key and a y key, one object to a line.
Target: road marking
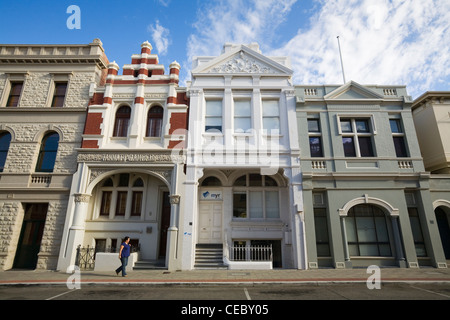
[
  {"x": 429, "y": 291},
  {"x": 59, "y": 295},
  {"x": 246, "y": 294}
]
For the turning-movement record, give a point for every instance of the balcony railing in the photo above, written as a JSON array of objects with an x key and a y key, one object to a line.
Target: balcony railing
[{"x": 250, "y": 253}]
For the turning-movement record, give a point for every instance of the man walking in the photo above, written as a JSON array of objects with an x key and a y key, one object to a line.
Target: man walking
[{"x": 124, "y": 253}]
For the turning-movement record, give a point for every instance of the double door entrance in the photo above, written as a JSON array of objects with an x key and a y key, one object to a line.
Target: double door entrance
[{"x": 31, "y": 235}]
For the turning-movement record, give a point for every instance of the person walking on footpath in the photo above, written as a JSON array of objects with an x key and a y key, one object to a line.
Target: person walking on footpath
[{"x": 124, "y": 253}]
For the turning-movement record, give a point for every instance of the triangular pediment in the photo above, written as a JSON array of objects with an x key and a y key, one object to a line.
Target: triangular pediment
[
  {"x": 353, "y": 91},
  {"x": 242, "y": 60}
]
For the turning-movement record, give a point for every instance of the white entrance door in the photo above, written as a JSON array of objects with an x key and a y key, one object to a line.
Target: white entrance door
[{"x": 210, "y": 222}]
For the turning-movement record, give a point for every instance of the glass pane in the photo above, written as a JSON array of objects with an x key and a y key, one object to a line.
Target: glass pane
[
  {"x": 400, "y": 148},
  {"x": 315, "y": 147},
  {"x": 321, "y": 227},
  {"x": 271, "y": 123},
  {"x": 242, "y": 108},
  {"x": 323, "y": 250},
  {"x": 362, "y": 126},
  {"x": 351, "y": 229},
  {"x": 416, "y": 229},
  {"x": 16, "y": 88},
  {"x": 269, "y": 182},
  {"x": 106, "y": 202},
  {"x": 138, "y": 183},
  {"x": 365, "y": 146},
  {"x": 137, "y": 203},
  {"x": 242, "y": 124},
  {"x": 13, "y": 101},
  {"x": 366, "y": 229},
  {"x": 5, "y": 139},
  {"x": 239, "y": 205},
  {"x": 313, "y": 125},
  {"x": 382, "y": 232},
  {"x": 353, "y": 250},
  {"x": 214, "y": 108},
  {"x": 121, "y": 203},
  {"x": 346, "y": 126},
  {"x": 349, "y": 147},
  {"x": 255, "y": 180},
  {"x": 241, "y": 181},
  {"x": 51, "y": 143},
  {"x": 395, "y": 126},
  {"x": 255, "y": 204},
  {"x": 368, "y": 250},
  {"x": 385, "y": 250},
  {"x": 272, "y": 204},
  {"x": 270, "y": 108}
]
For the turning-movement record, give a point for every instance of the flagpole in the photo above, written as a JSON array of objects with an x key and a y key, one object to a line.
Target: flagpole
[{"x": 340, "y": 55}]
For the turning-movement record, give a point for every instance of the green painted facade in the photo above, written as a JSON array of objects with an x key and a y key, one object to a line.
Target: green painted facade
[{"x": 366, "y": 193}]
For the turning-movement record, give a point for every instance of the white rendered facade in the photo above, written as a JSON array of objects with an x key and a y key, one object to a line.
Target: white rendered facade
[{"x": 243, "y": 178}]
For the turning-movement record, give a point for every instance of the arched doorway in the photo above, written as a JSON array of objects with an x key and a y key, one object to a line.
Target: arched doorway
[{"x": 443, "y": 222}]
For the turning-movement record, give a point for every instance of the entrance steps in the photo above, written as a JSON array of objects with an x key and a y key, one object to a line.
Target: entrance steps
[
  {"x": 209, "y": 256},
  {"x": 150, "y": 265}
]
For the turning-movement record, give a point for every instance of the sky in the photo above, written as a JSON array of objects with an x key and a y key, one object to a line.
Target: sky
[{"x": 385, "y": 42}]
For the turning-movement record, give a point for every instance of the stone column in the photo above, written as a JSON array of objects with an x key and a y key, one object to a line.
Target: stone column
[
  {"x": 76, "y": 230},
  {"x": 172, "y": 232}
]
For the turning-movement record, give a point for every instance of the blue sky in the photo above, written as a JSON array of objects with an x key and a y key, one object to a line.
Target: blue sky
[{"x": 402, "y": 42}]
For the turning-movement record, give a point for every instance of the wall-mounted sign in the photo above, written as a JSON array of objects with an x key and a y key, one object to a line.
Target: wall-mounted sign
[{"x": 210, "y": 195}]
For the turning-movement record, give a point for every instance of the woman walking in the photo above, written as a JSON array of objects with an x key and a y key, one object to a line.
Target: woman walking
[{"x": 124, "y": 253}]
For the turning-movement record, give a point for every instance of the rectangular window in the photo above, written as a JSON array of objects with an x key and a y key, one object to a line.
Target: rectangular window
[
  {"x": 213, "y": 116},
  {"x": 272, "y": 204},
  {"x": 121, "y": 204},
  {"x": 240, "y": 205},
  {"x": 416, "y": 228},
  {"x": 315, "y": 138},
  {"x": 398, "y": 137},
  {"x": 59, "y": 94},
  {"x": 357, "y": 136},
  {"x": 271, "y": 116},
  {"x": 106, "y": 203},
  {"x": 321, "y": 228},
  {"x": 258, "y": 204},
  {"x": 242, "y": 116},
  {"x": 136, "y": 206},
  {"x": 14, "y": 94}
]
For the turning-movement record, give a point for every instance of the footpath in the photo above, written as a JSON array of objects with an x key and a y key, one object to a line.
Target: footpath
[{"x": 199, "y": 277}]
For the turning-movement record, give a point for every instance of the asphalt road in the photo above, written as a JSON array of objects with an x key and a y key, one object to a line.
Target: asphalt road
[{"x": 242, "y": 292}]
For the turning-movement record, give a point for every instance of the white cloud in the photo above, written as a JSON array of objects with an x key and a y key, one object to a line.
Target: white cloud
[
  {"x": 404, "y": 42},
  {"x": 164, "y": 3},
  {"x": 160, "y": 36},
  {"x": 236, "y": 21},
  {"x": 383, "y": 42}
]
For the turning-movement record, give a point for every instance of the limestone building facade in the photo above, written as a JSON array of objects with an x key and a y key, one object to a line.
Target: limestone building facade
[{"x": 44, "y": 94}]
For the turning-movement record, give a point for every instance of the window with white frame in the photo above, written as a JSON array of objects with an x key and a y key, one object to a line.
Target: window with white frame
[
  {"x": 213, "y": 116},
  {"x": 271, "y": 116},
  {"x": 357, "y": 135},
  {"x": 121, "y": 196},
  {"x": 242, "y": 116},
  {"x": 256, "y": 197}
]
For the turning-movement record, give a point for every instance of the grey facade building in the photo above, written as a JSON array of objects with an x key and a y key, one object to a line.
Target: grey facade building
[
  {"x": 366, "y": 192},
  {"x": 44, "y": 93}
]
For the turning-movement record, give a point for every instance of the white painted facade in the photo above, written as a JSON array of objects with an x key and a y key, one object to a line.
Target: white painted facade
[{"x": 243, "y": 178}]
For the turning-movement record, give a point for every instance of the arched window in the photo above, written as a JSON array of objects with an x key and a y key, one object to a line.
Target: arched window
[
  {"x": 122, "y": 122},
  {"x": 367, "y": 231},
  {"x": 47, "y": 153},
  {"x": 256, "y": 197},
  {"x": 211, "y": 182},
  {"x": 5, "y": 139},
  {"x": 154, "y": 121}
]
